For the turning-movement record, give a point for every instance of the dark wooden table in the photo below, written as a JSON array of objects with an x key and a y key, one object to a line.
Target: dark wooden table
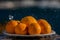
[{"x": 6, "y": 38}]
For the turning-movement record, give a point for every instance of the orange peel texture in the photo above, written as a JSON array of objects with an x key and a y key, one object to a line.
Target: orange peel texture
[
  {"x": 45, "y": 26},
  {"x": 34, "y": 28}
]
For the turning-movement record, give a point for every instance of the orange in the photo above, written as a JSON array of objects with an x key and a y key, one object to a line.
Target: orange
[
  {"x": 45, "y": 26},
  {"x": 10, "y": 26},
  {"x": 21, "y": 29},
  {"x": 21, "y": 26},
  {"x": 34, "y": 28},
  {"x": 28, "y": 20}
]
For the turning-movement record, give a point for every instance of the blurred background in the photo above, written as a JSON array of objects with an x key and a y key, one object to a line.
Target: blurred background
[{"x": 46, "y": 9}]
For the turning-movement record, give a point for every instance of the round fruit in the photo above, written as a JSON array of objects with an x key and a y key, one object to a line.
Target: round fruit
[
  {"x": 28, "y": 20},
  {"x": 19, "y": 31},
  {"x": 34, "y": 28},
  {"x": 10, "y": 26},
  {"x": 21, "y": 26},
  {"x": 45, "y": 26}
]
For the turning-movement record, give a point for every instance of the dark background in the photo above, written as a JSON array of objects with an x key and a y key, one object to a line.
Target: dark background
[{"x": 52, "y": 15}]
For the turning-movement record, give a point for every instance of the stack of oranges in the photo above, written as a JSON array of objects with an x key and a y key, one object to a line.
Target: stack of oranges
[{"x": 28, "y": 25}]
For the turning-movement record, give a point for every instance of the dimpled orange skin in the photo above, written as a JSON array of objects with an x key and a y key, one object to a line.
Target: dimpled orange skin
[
  {"x": 10, "y": 26},
  {"x": 21, "y": 26},
  {"x": 34, "y": 28},
  {"x": 28, "y": 20},
  {"x": 45, "y": 26},
  {"x": 19, "y": 31}
]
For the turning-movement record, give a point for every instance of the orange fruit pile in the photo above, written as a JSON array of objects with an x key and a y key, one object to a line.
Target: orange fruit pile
[{"x": 28, "y": 25}]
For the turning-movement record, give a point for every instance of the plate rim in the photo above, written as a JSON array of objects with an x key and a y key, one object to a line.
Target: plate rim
[{"x": 53, "y": 32}]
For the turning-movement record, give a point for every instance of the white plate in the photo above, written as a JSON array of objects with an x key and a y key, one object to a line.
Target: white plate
[{"x": 53, "y": 32}]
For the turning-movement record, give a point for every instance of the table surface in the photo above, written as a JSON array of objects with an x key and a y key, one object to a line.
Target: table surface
[{"x": 2, "y": 37}]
